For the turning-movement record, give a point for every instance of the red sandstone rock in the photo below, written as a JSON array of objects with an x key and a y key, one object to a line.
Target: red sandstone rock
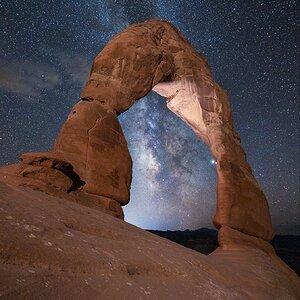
[
  {"x": 44, "y": 172},
  {"x": 154, "y": 55},
  {"x": 93, "y": 141},
  {"x": 51, "y": 248}
]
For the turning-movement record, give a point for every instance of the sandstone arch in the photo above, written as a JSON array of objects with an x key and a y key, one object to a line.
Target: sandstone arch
[{"x": 155, "y": 56}]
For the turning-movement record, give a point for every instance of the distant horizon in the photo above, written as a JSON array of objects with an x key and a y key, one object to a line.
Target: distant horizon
[{"x": 279, "y": 230}]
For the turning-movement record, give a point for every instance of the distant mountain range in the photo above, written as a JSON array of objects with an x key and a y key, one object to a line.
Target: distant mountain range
[{"x": 204, "y": 240}]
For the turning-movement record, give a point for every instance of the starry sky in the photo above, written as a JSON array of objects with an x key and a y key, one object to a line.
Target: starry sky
[{"x": 46, "y": 51}]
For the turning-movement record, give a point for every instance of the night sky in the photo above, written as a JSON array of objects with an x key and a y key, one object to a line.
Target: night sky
[{"x": 46, "y": 51}]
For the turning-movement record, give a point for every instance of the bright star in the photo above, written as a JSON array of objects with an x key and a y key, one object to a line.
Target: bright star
[{"x": 213, "y": 162}]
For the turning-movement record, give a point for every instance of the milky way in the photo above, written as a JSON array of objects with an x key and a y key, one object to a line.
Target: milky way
[{"x": 46, "y": 50}]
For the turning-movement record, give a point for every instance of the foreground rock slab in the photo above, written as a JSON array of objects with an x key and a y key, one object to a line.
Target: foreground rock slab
[{"x": 52, "y": 248}]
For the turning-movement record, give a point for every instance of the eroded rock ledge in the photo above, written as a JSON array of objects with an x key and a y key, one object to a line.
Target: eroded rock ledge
[{"x": 44, "y": 171}]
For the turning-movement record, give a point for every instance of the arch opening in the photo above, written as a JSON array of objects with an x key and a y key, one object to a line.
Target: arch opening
[{"x": 173, "y": 181}]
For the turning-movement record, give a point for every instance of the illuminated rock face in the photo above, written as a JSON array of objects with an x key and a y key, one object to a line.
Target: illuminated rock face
[
  {"x": 93, "y": 142},
  {"x": 154, "y": 56}
]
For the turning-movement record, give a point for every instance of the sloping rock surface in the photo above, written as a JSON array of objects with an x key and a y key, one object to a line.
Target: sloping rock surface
[
  {"x": 204, "y": 240},
  {"x": 51, "y": 248}
]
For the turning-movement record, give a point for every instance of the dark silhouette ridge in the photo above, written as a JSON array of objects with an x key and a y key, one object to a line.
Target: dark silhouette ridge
[{"x": 204, "y": 240}]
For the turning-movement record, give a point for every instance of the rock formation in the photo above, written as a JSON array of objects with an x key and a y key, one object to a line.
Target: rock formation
[
  {"x": 51, "y": 248},
  {"x": 43, "y": 171},
  {"x": 155, "y": 56},
  {"x": 90, "y": 164}
]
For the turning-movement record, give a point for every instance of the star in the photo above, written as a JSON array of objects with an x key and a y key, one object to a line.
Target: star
[{"x": 213, "y": 162}]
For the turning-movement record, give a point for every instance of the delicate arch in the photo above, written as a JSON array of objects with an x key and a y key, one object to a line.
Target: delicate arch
[{"x": 155, "y": 56}]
